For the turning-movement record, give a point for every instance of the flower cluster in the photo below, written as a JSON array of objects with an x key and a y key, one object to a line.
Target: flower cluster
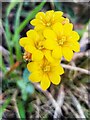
[{"x": 51, "y": 39}]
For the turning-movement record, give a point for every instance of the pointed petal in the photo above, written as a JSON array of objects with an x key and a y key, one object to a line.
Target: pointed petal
[{"x": 45, "y": 82}]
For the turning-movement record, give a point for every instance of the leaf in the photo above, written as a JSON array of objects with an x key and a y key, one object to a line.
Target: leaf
[
  {"x": 26, "y": 74},
  {"x": 21, "y": 84},
  {"x": 30, "y": 88},
  {"x": 21, "y": 109},
  {"x": 7, "y": 101},
  {"x": 11, "y": 6},
  {"x": 16, "y": 35}
]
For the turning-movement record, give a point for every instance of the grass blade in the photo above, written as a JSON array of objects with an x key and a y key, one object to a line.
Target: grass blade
[
  {"x": 30, "y": 16},
  {"x": 21, "y": 109}
]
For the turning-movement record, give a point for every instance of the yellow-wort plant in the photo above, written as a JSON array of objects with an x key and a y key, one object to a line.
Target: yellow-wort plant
[{"x": 51, "y": 39}]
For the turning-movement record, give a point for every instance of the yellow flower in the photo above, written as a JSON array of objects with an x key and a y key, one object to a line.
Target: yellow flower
[
  {"x": 45, "y": 72},
  {"x": 33, "y": 44},
  {"x": 62, "y": 40},
  {"x": 48, "y": 19}
]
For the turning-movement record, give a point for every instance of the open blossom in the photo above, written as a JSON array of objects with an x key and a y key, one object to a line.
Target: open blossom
[
  {"x": 33, "y": 44},
  {"x": 48, "y": 19},
  {"x": 52, "y": 38},
  {"x": 62, "y": 40},
  {"x": 45, "y": 72},
  {"x": 34, "y": 47}
]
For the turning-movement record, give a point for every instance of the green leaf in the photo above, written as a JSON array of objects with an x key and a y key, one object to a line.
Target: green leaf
[
  {"x": 7, "y": 101},
  {"x": 11, "y": 6},
  {"x": 26, "y": 74},
  {"x": 30, "y": 88},
  {"x": 21, "y": 109},
  {"x": 26, "y": 88},
  {"x": 21, "y": 84},
  {"x": 16, "y": 34}
]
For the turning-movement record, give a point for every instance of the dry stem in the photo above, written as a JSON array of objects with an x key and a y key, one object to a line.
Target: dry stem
[{"x": 76, "y": 69}]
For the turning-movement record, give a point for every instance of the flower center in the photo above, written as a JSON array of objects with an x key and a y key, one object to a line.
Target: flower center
[
  {"x": 62, "y": 40},
  {"x": 39, "y": 45},
  {"x": 46, "y": 68},
  {"x": 48, "y": 24}
]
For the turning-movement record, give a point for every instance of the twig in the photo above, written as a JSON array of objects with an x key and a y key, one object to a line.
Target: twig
[
  {"x": 80, "y": 55},
  {"x": 48, "y": 95},
  {"x": 60, "y": 101},
  {"x": 15, "y": 104},
  {"x": 76, "y": 69},
  {"x": 77, "y": 105},
  {"x": 72, "y": 110}
]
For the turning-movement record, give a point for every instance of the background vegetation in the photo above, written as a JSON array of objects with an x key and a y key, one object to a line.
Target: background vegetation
[{"x": 19, "y": 97}]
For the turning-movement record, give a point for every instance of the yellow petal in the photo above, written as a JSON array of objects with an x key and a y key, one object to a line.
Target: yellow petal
[
  {"x": 55, "y": 78},
  {"x": 37, "y": 55},
  {"x": 58, "y": 28},
  {"x": 45, "y": 82},
  {"x": 67, "y": 28},
  {"x": 40, "y": 15},
  {"x": 34, "y": 22},
  {"x": 57, "y": 52},
  {"x": 58, "y": 69},
  {"x": 50, "y": 44},
  {"x": 39, "y": 27},
  {"x": 35, "y": 76},
  {"x": 23, "y": 41},
  {"x": 65, "y": 21},
  {"x": 57, "y": 17},
  {"x": 33, "y": 66},
  {"x": 57, "y": 14},
  {"x": 32, "y": 34},
  {"x": 67, "y": 53},
  {"x": 49, "y": 15},
  {"x": 75, "y": 46},
  {"x": 30, "y": 48},
  {"x": 49, "y": 34},
  {"x": 74, "y": 36},
  {"x": 48, "y": 55}
]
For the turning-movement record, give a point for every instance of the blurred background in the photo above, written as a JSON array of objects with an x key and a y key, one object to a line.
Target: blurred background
[{"x": 19, "y": 97}]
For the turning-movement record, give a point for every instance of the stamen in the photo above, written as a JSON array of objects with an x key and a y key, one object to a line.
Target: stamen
[{"x": 46, "y": 68}]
